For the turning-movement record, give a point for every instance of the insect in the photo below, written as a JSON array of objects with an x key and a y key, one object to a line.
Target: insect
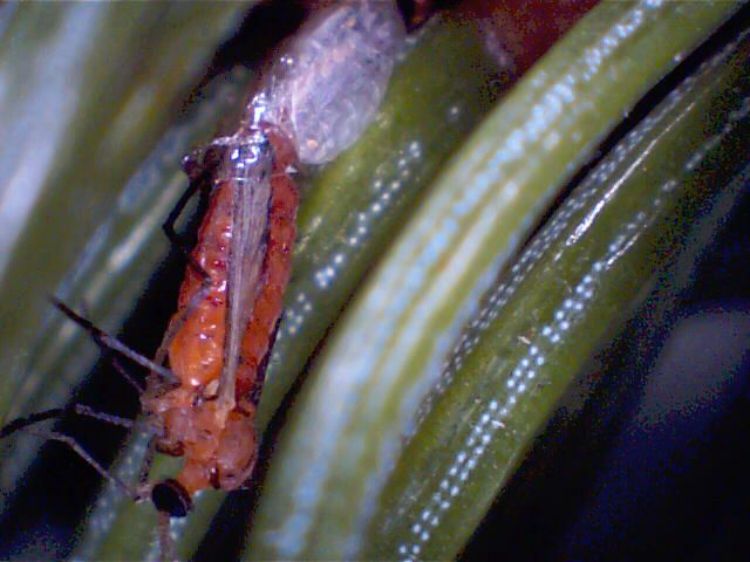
[
  {"x": 313, "y": 101},
  {"x": 316, "y": 100}
]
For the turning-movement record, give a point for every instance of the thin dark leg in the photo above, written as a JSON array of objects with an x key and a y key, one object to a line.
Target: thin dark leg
[
  {"x": 83, "y": 410},
  {"x": 130, "y": 379},
  {"x": 79, "y": 409},
  {"x": 200, "y": 181},
  {"x": 81, "y": 452},
  {"x": 200, "y": 184},
  {"x": 106, "y": 341},
  {"x": 22, "y": 423},
  {"x": 25, "y": 423}
]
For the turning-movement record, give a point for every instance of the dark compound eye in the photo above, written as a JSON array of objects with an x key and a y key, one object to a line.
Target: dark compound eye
[{"x": 170, "y": 497}]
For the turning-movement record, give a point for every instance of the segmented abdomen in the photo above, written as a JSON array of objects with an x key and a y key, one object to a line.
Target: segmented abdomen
[
  {"x": 282, "y": 217},
  {"x": 196, "y": 352}
]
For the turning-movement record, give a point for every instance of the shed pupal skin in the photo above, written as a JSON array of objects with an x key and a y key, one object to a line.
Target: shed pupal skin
[{"x": 327, "y": 84}]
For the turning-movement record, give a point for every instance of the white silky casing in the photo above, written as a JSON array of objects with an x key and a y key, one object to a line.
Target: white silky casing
[{"x": 328, "y": 84}]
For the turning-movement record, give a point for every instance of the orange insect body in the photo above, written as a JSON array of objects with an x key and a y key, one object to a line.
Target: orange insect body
[
  {"x": 219, "y": 446},
  {"x": 315, "y": 102},
  {"x": 196, "y": 352}
]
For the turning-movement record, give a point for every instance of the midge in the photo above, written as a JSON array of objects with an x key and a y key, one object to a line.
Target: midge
[{"x": 201, "y": 394}]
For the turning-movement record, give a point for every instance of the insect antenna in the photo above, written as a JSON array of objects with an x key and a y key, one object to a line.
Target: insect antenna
[{"x": 103, "y": 339}]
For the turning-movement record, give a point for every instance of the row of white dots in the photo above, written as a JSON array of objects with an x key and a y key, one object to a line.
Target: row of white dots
[
  {"x": 521, "y": 380},
  {"x": 592, "y": 186},
  {"x": 301, "y": 306}
]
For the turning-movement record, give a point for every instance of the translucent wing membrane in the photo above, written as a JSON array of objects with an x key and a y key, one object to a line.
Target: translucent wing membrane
[{"x": 249, "y": 171}]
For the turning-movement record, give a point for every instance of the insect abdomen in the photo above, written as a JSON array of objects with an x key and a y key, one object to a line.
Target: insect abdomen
[{"x": 282, "y": 215}]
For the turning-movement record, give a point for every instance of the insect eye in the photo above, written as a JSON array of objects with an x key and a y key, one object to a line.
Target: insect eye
[{"x": 171, "y": 497}]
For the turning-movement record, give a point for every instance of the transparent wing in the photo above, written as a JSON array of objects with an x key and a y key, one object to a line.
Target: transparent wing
[{"x": 248, "y": 169}]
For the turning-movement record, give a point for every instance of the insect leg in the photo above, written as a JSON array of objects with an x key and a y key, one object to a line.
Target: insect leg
[
  {"x": 103, "y": 339},
  {"x": 120, "y": 368},
  {"x": 22, "y": 423},
  {"x": 83, "y": 410},
  {"x": 200, "y": 166},
  {"x": 200, "y": 184},
  {"x": 79, "y": 409},
  {"x": 81, "y": 452}
]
